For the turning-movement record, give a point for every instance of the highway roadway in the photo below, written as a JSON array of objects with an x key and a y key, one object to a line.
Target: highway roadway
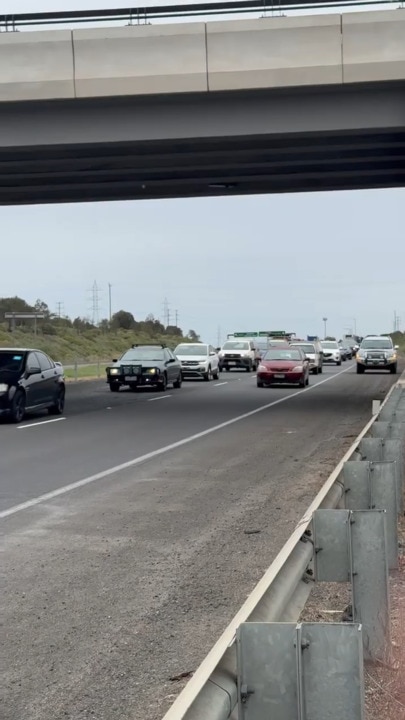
[{"x": 136, "y": 525}]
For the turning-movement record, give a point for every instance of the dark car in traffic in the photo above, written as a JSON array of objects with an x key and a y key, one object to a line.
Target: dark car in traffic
[
  {"x": 145, "y": 366},
  {"x": 283, "y": 365},
  {"x": 30, "y": 381}
]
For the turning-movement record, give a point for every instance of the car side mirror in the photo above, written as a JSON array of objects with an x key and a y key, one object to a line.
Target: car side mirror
[
  {"x": 212, "y": 353},
  {"x": 171, "y": 360},
  {"x": 396, "y": 347},
  {"x": 33, "y": 370},
  {"x": 114, "y": 360}
]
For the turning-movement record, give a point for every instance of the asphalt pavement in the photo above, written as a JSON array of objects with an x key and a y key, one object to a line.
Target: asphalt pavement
[{"x": 137, "y": 524}]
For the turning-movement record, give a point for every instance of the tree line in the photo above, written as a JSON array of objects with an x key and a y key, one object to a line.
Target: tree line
[{"x": 52, "y": 323}]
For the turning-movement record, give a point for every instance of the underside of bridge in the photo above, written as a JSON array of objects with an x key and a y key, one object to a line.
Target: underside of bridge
[{"x": 194, "y": 146}]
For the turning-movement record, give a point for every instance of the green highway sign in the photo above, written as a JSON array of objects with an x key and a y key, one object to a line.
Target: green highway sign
[{"x": 245, "y": 334}]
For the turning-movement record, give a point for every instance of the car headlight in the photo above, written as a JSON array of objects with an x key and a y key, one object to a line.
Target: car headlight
[
  {"x": 298, "y": 368},
  {"x": 3, "y": 388},
  {"x": 151, "y": 371},
  {"x": 262, "y": 368},
  {"x": 113, "y": 371}
]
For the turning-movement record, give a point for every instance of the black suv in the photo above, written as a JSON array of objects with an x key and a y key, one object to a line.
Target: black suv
[
  {"x": 143, "y": 366},
  {"x": 30, "y": 381}
]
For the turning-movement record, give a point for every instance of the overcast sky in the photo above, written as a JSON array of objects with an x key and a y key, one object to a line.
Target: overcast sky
[{"x": 263, "y": 262}]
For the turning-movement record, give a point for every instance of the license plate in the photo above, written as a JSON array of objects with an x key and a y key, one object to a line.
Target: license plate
[
  {"x": 279, "y": 376},
  {"x": 231, "y": 362},
  {"x": 130, "y": 378}
]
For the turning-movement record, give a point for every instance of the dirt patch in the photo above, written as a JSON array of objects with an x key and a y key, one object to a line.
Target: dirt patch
[{"x": 384, "y": 685}]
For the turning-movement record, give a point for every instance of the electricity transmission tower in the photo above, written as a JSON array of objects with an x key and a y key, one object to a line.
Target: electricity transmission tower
[
  {"x": 166, "y": 312},
  {"x": 95, "y": 304}
]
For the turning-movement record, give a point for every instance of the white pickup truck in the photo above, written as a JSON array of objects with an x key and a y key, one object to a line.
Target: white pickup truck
[{"x": 239, "y": 354}]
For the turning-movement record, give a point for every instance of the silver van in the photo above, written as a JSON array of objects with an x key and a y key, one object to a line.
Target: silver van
[{"x": 314, "y": 352}]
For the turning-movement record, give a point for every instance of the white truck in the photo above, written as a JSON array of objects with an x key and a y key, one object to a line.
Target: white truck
[{"x": 239, "y": 352}]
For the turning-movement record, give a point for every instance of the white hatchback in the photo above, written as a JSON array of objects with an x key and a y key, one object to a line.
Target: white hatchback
[{"x": 198, "y": 361}]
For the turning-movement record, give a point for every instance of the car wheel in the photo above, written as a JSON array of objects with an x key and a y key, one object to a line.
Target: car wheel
[
  {"x": 393, "y": 369},
  {"x": 307, "y": 381},
  {"x": 59, "y": 405},
  {"x": 163, "y": 384},
  {"x": 18, "y": 407},
  {"x": 302, "y": 383},
  {"x": 227, "y": 369},
  {"x": 320, "y": 370},
  {"x": 360, "y": 369},
  {"x": 339, "y": 362},
  {"x": 215, "y": 375},
  {"x": 315, "y": 371},
  {"x": 177, "y": 383},
  {"x": 114, "y": 386},
  {"x": 260, "y": 384},
  {"x": 208, "y": 375}
]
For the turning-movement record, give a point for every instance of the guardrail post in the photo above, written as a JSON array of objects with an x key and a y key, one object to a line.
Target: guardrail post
[
  {"x": 390, "y": 412},
  {"x": 373, "y": 485},
  {"x": 300, "y": 672},
  {"x": 379, "y": 449},
  {"x": 386, "y": 429},
  {"x": 351, "y": 546},
  {"x": 76, "y": 371}
]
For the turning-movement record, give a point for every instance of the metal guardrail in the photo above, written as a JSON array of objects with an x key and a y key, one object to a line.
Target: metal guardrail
[
  {"x": 348, "y": 534},
  {"x": 140, "y": 15}
]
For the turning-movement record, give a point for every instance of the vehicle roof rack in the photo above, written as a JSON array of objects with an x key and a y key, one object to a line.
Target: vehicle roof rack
[{"x": 160, "y": 345}]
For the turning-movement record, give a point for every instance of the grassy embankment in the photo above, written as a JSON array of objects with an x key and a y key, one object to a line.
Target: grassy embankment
[{"x": 87, "y": 352}]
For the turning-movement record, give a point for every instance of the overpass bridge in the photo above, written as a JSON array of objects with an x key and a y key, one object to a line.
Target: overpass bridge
[{"x": 282, "y": 104}]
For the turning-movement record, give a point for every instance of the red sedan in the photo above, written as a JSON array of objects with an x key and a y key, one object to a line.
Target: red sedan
[{"x": 283, "y": 366}]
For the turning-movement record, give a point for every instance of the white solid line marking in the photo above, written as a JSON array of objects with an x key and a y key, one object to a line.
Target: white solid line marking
[
  {"x": 161, "y": 451},
  {"x": 222, "y": 383},
  {"x": 43, "y": 422},
  {"x": 163, "y": 397}
]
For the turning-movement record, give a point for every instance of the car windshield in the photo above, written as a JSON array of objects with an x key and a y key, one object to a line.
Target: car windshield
[
  {"x": 191, "y": 350},
  {"x": 330, "y": 345},
  {"x": 236, "y": 345},
  {"x": 142, "y": 354},
  {"x": 11, "y": 361},
  {"x": 289, "y": 354},
  {"x": 306, "y": 348},
  {"x": 380, "y": 344}
]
